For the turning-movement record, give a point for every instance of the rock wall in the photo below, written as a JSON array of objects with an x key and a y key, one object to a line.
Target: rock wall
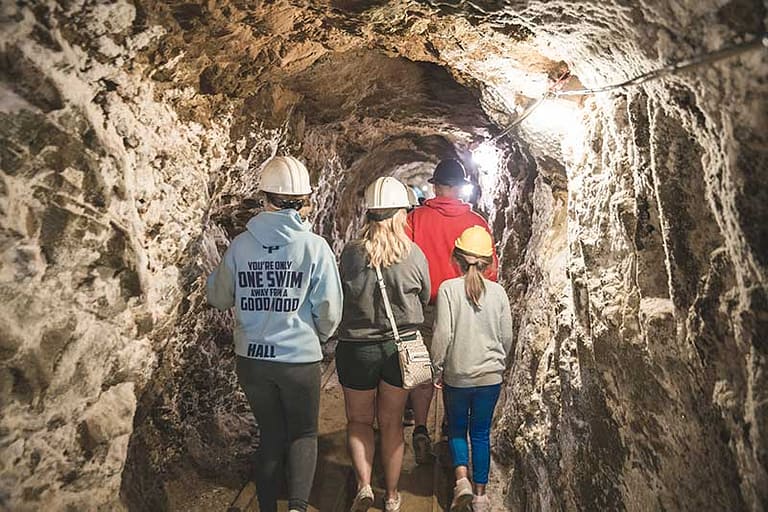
[
  {"x": 638, "y": 375},
  {"x": 101, "y": 191}
]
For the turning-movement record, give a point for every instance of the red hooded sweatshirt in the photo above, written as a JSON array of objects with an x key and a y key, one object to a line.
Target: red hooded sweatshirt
[{"x": 435, "y": 227}]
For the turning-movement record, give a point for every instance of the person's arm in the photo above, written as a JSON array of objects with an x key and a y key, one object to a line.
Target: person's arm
[
  {"x": 442, "y": 332},
  {"x": 409, "y": 228},
  {"x": 325, "y": 295},
  {"x": 221, "y": 283},
  {"x": 344, "y": 261},
  {"x": 506, "y": 325},
  {"x": 426, "y": 286}
]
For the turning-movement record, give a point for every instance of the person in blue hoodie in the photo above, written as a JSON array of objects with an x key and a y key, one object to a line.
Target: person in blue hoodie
[{"x": 283, "y": 282}]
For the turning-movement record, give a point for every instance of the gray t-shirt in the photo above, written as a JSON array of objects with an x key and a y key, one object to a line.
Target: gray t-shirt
[
  {"x": 364, "y": 317},
  {"x": 470, "y": 347}
]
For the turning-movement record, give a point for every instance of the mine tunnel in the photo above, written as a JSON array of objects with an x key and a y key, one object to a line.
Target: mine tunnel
[{"x": 630, "y": 225}]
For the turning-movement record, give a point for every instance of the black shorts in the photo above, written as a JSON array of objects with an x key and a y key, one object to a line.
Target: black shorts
[{"x": 361, "y": 365}]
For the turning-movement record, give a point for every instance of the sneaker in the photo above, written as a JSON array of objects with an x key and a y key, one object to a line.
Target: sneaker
[
  {"x": 409, "y": 419},
  {"x": 462, "y": 496},
  {"x": 363, "y": 500},
  {"x": 393, "y": 504},
  {"x": 297, "y": 505},
  {"x": 481, "y": 503},
  {"x": 422, "y": 445}
]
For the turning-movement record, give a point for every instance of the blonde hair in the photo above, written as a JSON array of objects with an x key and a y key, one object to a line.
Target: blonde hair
[
  {"x": 385, "y": 241},
  {"x": 473, "y": 267}
]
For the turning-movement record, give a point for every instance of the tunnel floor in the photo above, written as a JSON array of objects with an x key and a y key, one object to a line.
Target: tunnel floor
[{"x": 424, "y": 488}]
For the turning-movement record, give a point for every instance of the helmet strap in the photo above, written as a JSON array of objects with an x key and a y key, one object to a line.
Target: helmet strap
[{"x": 379, "y": 215}]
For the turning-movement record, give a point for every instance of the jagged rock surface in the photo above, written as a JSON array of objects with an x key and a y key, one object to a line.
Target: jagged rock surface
[{"x": 635, "y": 255}]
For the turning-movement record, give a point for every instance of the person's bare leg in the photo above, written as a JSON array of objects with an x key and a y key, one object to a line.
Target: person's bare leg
[
  {"x": 360, "y": 441},
  {"x": 391, "y": 402},
  {"x": 479, "y": 489},
  {"x": 462, "y": 491},
  {"x": 421, "y": 398}
]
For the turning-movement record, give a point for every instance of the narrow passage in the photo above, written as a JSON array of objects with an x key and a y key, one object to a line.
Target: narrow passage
[{"x": 424, "y": 488}]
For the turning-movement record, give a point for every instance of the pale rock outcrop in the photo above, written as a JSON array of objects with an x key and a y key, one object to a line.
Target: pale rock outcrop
[{"x": 100, "y": 185}]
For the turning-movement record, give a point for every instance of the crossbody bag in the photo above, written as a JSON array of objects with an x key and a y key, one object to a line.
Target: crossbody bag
[{"x": 415, "y": 364}]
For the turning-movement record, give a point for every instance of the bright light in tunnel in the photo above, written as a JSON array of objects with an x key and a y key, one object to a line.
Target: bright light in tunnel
[
  {"x": 486, "y": 157},
  {"x": 572, "y": 144},
  {"x": 562, "y": 120},
  {"x": 553, "y": 115}
]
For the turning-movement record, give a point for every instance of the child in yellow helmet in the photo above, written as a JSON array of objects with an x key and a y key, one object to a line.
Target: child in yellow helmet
[{"x": 472, "y": 338}]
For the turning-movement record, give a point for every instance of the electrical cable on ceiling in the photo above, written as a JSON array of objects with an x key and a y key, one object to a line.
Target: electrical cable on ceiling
[
  {"x": 677, "y": 67},
  {"x": 528, "y": 111},
  {"x": 671, "y": 69}
]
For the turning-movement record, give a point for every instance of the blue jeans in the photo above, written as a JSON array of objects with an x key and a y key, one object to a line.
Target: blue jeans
[{"x": 471, "y": 408}]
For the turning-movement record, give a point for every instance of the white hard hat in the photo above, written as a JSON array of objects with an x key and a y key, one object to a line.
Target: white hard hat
[
  {"x": 386, "y": 192},
  {"x": 285, "y": 175}
]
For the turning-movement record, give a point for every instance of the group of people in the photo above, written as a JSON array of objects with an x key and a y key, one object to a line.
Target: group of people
[{"x": 437, "y": 264}]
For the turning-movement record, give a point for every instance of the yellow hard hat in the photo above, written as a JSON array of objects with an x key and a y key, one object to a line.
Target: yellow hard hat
[{"x": 475, "y": 241}]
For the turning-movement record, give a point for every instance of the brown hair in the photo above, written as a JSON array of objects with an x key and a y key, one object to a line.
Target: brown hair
[{"x": 473, "y": 267}]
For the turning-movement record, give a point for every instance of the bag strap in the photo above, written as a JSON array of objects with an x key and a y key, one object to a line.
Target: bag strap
[{"x": 387, "y": 305}]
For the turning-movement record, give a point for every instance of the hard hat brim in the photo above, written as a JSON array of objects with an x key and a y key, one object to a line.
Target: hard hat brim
[
  {"x": 473, "y": 253},
  {"x": 388, "y": 207},
  {"x": 271, "y": 190},
  {"x": 453, "y": 183}
]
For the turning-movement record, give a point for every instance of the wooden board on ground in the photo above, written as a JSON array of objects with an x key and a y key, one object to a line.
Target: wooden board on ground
[
  {"x": 244, "y": 498},
  {"x": 442, "y": 474}
]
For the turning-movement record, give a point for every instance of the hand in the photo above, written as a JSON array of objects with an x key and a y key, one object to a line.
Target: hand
[{"x": 438, "y": 382}]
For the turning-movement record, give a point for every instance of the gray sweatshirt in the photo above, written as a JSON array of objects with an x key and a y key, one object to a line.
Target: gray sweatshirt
[
  {"x": 364, "y": 317},
  {"x": 470, "y": 347}
]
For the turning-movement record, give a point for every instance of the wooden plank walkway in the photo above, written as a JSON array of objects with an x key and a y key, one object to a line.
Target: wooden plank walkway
[{"x": 424, "y": 488}]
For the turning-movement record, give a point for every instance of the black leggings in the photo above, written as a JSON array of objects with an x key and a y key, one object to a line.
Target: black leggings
[{"x": 285, "y": 399}]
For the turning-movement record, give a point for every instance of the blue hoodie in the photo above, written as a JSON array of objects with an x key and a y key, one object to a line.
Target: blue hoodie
[{"x": 283, "y": 282}]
